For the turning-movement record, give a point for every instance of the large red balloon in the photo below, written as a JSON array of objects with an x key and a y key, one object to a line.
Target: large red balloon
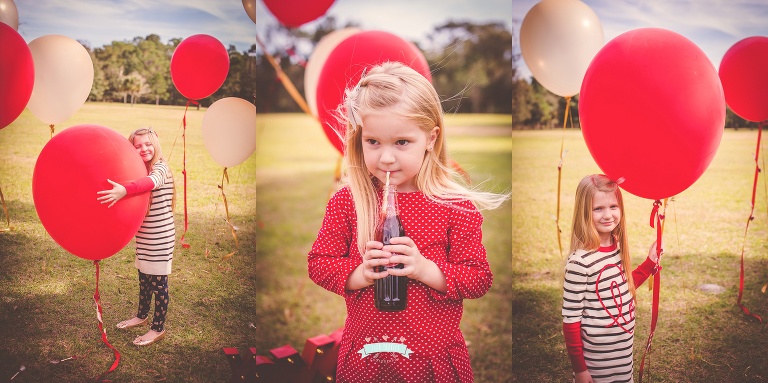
[
  {"x": 295, "y": 13},
  {"x": 652, "y": 111},
  {"x": 744, "y": 74},
  {"x": 345, "y": 64},
  {"x": 71, "y": 168},
  {"x": 199, "y": 66},
  {"x": 17, "y": 74}
]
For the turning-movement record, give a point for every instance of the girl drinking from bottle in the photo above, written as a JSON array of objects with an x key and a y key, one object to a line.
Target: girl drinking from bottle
[{"x": 394, "y": 125}]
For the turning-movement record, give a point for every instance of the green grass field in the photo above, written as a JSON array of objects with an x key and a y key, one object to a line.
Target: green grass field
[
  {"x": 46, "y": 305},
  {"x": 261, "y": 297},
  {"x": 700, "y": 337}
]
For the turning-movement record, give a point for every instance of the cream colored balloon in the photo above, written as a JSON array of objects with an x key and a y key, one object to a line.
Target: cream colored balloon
[
  {"x": 63, "y": 78},
  {"x": 250, "y": 9},
  {"x": 317, "y": 59},
  {"x": 229, "y": 131},
  {"x": 558, "y": 39},
  {"x": 9, "y": 14}
]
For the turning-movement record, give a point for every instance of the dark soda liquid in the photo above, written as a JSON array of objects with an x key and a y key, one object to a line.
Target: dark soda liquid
[{"x": 391, "y": 291}]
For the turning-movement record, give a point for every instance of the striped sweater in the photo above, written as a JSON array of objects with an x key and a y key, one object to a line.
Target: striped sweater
[
  {"x": 156, "y": 237},
  {"x": 595, "y": 293}
]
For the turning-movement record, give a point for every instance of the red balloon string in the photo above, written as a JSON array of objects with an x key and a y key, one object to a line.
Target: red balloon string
[
  {"x": 97, "y": 299},
  {"x": 657, "y": 223},
  {"x": 184, "y": 172},
  {"x": 746, "y": 229}
]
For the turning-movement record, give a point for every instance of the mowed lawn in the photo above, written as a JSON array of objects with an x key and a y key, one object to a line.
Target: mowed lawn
[
  {"x": 47, "y": 311},
  {"x": 260, "y": 297},
  {"x": 700, "y": 336}
]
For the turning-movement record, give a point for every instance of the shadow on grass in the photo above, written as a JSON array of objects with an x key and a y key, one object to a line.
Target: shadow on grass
[
  {"x": 47, "y": 312},
  {"x": 700, "y": 337}
]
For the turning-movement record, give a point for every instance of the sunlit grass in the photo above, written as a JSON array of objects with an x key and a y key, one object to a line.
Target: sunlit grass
[
  {"x": 46, "y": 294},
  {"x": 701, "y": 337}
]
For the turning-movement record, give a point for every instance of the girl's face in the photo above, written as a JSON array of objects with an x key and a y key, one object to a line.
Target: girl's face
[
  {"x": 144, "y": 147},
  {"x": 395, "y": 144},
  {"x": 606, "y": 215}
]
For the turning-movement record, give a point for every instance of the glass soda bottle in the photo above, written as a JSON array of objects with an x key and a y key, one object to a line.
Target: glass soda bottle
[{"x": 391, "y": 291}]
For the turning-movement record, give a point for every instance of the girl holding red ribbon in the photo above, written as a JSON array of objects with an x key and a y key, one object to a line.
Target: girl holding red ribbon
[{"x": 598, "y": 289}]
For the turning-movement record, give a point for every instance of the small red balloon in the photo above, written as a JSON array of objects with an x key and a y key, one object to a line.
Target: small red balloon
[
  {"x": 652, "y": 112},
  {"x": 744, "y": 75},
  {"x": 199, "y": 66},
  {"x": 345, "y": 64},
  {"x": 295, "y": 13},
  {"x": 71, "y": 168},
  {"x": 17, "y": 75}
]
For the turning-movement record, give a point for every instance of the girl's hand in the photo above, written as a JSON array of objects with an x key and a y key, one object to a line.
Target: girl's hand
[
  {"x": 374, "y": 256},
  {"x": 415, "y": 266},
  {"x": 583, "y": 377},
  {"x": 652, "y": 252},
  {"x": 113, "y": 195}
]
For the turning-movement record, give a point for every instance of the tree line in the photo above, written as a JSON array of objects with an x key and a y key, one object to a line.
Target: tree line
[
  {"x": 471, "y": 65},
  {"x": 138, "y": 71}
]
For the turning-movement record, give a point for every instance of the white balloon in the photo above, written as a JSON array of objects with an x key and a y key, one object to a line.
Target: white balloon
[
  {"x": 9, "y": 14},
  {"x": 229, "y": 131},
  {"x": 317, "y": 60},
  {"x": 250, "y": 9},
  {"x": 63, "y": 78},
  {"x": 558, "y": 39}
]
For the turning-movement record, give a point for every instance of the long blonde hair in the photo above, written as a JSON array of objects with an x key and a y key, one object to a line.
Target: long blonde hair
[
  {"x": 585, "y": 236},
  {"x": 398, "y": 89},
  {"x": 157, "y": 156}
]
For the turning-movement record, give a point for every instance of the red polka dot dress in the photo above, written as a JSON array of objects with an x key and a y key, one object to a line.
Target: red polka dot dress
[{"x": 423, "y": 343}]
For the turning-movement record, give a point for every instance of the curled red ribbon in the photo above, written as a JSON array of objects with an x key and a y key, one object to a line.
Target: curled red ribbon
[
  {"x": 751, "y": 217},
  {"x": 184, "y": 172},
  {"x": 104, "y": 339},
  {"x": 656, "y": 222}
]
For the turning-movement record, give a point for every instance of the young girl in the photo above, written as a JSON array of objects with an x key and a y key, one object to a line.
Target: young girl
[
  {"x": 395, "y": 125},
  {"x": 599, "y": 290},
  {"x": 155, "y": 239}
]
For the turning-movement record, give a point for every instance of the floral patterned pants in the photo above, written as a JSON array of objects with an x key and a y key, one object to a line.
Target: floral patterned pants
[{"x": 157, "y": 285}]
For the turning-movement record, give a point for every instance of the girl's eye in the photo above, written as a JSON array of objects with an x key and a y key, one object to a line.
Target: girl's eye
[
  {"x": 371, "y": 141},
  {"x": 402, "y": 142}
]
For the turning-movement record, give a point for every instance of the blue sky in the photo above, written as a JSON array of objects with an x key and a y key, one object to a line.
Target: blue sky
[
  {"x": 410, "y": 19},
  {"x": 99, "y": 22},
  {"x": 713, "y": 25}
]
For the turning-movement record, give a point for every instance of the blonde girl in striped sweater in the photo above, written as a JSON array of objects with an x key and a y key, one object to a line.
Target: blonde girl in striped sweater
[
  {"x": 599, "y": 288},
  {"x": 156, "y": 238}
]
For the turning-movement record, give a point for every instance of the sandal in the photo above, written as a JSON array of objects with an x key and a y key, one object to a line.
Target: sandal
[
  {"x": 124, "y": 324},
  {"x": 146, "y": 342}
]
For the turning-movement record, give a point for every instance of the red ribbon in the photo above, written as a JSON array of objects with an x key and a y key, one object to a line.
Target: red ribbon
[
  {"x": 184, "y": 172},
  {"x": 751, "y": 217},
  {"x": 97, "y": 299},
  {"x": 656, "y": 219}
]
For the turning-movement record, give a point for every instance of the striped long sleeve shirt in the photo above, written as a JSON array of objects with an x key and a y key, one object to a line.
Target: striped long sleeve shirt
[
  {"x": 595, "y": 293},
  {"x": 156, "y": 238}
]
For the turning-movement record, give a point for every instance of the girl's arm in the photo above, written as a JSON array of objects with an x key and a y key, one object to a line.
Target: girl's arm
[
  {"x": 119, "y": 191},
  {"x": 329, "y": 263},
  {"x": 154, "y": 180},
  {"x": 464, "y": 273},
  {"x": 647, "y": 268},
  {"x": 574, "y": 295}
]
